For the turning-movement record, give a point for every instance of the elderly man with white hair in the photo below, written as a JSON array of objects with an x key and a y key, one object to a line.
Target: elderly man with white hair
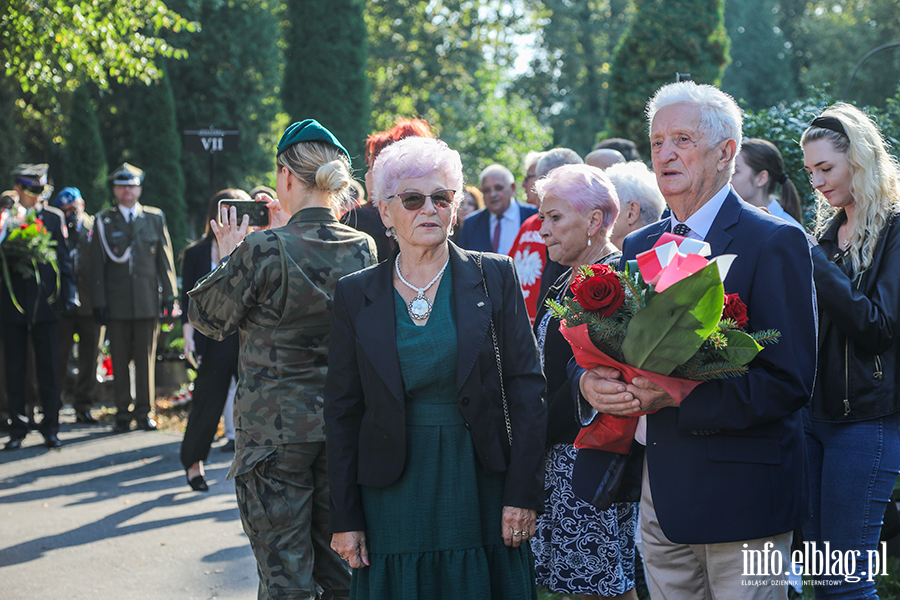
[
  {"x": 640, "y": 201},
  {"x": 724, "y": 474},
  {"x": 495, "y": 227}
]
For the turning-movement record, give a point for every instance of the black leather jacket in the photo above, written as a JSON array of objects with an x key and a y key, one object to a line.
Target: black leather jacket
[{"x": 859, "y": 330}]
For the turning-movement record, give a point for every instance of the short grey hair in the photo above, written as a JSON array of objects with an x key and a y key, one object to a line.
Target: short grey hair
[
  {"x": 634, "y": 182},
  {"x": 720, "y": 116},
  {"x": 531, "y": 159},
  {"x": 556, "y": 158},
  {"x": 496, "y": 169}
]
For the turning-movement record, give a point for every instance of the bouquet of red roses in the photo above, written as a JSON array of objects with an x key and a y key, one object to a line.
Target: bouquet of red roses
[
  {"x": 26, "y": 245},
  {"x": 666, "y": 318}
]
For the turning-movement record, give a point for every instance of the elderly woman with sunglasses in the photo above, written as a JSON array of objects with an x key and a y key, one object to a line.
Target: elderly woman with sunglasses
[{"x": 434, "y": 457}]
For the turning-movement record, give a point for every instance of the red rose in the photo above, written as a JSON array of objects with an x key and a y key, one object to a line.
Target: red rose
[
  {"x": 736, "y": 310},
  {"x": 601, "y": 293}
]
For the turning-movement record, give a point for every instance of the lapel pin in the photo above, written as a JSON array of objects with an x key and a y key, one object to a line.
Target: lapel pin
[{"x": 480, "y": 304}]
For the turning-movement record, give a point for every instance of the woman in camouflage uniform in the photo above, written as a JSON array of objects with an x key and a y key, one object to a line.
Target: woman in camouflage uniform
[{"x": 275, "y": 289}]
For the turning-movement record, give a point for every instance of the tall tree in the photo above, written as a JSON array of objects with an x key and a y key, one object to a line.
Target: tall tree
[
  {"x": 760, "y": 73},
  {"x": 85, "y": 159},
  {"x": 145, "y": 134},
  {"x": 835, "y": 35},
  {"x": 498, "y": 127},
  {"x": 568, "y": 76},
  {"x": 325, "y": 68},
  {"x": 664, "y": 38},
  {"x": 442, "y": 61},
  {"x": 10, "y": 140},
  {"x": 423, "y": 52},
  {"x": 229, "y": 80},
  {"x": 50, "y": 46}
]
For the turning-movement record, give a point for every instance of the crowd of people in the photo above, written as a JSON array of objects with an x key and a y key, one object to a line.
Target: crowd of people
[{"x": 405, "y": 405}]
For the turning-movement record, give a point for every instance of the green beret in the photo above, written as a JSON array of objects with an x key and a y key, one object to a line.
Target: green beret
[{"x": 308, "y": 131}]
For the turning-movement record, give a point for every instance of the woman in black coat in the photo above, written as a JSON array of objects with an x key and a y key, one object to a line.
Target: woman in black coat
[
  {"x": 428, "y": 497},
  {"x": 217, "y": 361},
  {"x": 853, "y": 420}
]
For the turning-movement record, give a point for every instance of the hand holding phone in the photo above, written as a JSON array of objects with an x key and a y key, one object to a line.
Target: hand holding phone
[
  {"x": 257, "y": 212},
  {"x": 229, "y": 229}
]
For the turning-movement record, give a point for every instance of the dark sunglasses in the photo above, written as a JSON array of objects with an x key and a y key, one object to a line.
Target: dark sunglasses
[{"x": 416, "y": 200}]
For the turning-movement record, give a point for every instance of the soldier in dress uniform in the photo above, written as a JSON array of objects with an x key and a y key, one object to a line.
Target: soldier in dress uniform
[
  {"x": 32, "y": 311},
  {"x": 134, "y": 282},
  {"x": 80, "y": 320}
]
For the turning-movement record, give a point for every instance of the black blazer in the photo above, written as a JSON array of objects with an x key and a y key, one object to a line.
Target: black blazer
[
  {"x": 364, "y": 397},
  {"x": 196, "y": 264},
  {"x": 367, "y": 219},
  {"x": 28, "y": 293}
]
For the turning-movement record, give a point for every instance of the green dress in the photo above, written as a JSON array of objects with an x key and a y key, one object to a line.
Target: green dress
[{"x": 435, "y": 532}]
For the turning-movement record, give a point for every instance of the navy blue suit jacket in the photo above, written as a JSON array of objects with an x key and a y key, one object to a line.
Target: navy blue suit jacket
[
  {"x": 730, "y": 463},
  {"x": 476, "y": 234},
  {"x": 34, "y": 298}
]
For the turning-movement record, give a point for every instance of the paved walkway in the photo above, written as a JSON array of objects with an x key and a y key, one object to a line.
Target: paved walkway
[{"x": 111, "y": 517}]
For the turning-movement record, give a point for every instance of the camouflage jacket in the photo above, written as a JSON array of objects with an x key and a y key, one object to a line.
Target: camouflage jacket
[{"x": 276, "y": 290}]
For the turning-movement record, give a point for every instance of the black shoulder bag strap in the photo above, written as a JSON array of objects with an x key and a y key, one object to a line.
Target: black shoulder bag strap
[{"x": 496, "y": 353}]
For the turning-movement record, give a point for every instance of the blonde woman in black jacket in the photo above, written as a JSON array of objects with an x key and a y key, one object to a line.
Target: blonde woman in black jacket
[{"x": 853, "y": 421}]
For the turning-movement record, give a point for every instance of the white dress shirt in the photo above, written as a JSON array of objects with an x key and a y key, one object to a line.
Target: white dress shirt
[
  {"x": 700, "y": 222},
  {"x": 127, "y": 212}
]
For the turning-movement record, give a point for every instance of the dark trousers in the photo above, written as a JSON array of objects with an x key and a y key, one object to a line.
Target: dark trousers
[
  {"x": 133, "y": 340},
  {"x": 45, "y": 337},
  {"x": 89, "y": 336},
  {"x": 217, "y": 366},
  {"x": 32, "y": 393}
]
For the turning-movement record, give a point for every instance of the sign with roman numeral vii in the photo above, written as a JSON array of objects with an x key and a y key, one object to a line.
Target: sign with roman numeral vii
[{"x": 211, "y": 140}]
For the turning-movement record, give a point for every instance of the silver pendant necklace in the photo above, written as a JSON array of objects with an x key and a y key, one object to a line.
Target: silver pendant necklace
[{"x": 419, "y": 307}]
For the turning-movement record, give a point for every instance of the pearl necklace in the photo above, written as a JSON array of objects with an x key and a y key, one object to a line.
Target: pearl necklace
[{"x": 419, "y": 307}]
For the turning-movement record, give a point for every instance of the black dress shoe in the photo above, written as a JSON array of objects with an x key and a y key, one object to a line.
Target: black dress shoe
[
  {"x": 198, "y": 483},
  {"x": 146, "y": 424},
  {"x": 227, "y": 446},
  {"x": 13, "y": 443},
  {"x": 51, "y": 441},
  {"x": 122, "y": 427},
  {"x": 85, "y": 416}
]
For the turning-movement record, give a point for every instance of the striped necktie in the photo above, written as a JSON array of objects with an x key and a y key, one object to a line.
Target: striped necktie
[{"x": 495, "y": 240}]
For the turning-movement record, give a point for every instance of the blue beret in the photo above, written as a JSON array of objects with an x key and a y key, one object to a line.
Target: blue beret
[
  {"x": 67, "y": 196},
  {"x": 308, "y": 131}
]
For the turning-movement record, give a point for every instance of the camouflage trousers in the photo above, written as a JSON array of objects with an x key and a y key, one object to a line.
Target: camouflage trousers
[{"x": 283, "y": 503}]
